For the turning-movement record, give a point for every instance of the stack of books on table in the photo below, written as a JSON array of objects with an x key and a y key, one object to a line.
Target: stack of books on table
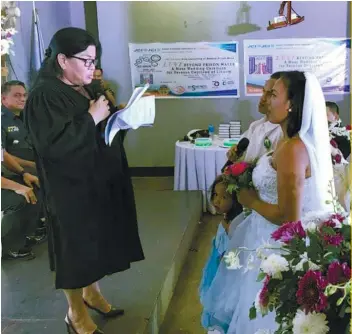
[
  {"x": 224, "y": 131},
  {"x": 235, "y": 130}
]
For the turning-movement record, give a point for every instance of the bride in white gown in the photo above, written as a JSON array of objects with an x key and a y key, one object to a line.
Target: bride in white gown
[{"x": 291, "y": 182}]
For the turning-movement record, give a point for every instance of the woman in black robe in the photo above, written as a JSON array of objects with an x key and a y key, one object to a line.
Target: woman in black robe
[{"x": 92, "y": 231}]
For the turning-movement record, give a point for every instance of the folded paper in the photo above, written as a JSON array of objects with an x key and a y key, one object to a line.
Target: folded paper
[{"x": 139, "y": 111}]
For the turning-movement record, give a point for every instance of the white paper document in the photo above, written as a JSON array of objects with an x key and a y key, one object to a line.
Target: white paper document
[{"x": 139, "y": 111}]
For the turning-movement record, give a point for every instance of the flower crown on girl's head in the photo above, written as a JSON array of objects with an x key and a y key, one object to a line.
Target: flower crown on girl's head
[{"x": 236, "y": 208}]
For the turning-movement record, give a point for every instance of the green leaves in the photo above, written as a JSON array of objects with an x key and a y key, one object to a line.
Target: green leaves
[
  {"x": 346, "y": 232},
  {"x": 252, "y": 312},
  {"x": 231, "y": 188},
  {"x": 267, "y": 143},
  {"x": 315, "y": 249},
  {"x": 261, "y": 276}
]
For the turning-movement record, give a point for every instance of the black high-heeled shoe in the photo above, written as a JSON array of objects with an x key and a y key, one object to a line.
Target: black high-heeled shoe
[
  {"x": 114, "y": 312},
  {"x": 70, "y": 328}
]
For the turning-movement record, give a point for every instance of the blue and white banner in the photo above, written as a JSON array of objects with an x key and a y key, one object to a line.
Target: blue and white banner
[
  {"x": 327, "y": 58},
  {"x": 186, "y": 70}
]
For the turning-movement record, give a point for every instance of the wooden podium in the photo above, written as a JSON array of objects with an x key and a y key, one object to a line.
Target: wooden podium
[{"x": 282, "y": 21}]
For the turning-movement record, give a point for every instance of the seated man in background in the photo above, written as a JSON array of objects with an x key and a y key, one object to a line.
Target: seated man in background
[
  {"x": 332, "y": 111},
  {"x": 14, "y": 136},
  {"x": 338, "y": 132},
  {"x": 20, "y": 210}
]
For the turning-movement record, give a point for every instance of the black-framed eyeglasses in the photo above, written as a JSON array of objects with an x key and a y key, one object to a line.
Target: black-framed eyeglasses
[{"x": 87, "y": 62}]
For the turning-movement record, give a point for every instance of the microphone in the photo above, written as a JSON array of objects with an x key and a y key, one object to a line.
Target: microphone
[
  {"x": 241, "y": 148},
  {"x": 99, "y": 91}
]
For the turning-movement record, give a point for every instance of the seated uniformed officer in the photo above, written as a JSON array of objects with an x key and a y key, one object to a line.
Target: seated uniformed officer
[
  {"x": 14, "y": 136},
  {"x": 20, "y": 209}
]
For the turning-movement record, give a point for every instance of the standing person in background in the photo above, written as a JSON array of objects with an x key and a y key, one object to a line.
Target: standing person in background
[
  {"x": 341, "y": 150},
  {"x": 338, "y": 132},
  {"x": 99, "y": 77},
  {"x": 89, "y": 239}
]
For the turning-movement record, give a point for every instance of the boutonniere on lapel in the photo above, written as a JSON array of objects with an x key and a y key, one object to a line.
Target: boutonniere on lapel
[{"x": 267, "y": 144}]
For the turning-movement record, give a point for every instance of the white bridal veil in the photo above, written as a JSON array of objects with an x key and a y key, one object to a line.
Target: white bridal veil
[{"x": 315, "y": 135}]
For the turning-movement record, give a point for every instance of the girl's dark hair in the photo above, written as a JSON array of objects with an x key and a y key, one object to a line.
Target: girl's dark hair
[
  {"x": 295, "y": 82},
  {"x": 236, "y": 208},
  {"x": 68, "y": 41}
]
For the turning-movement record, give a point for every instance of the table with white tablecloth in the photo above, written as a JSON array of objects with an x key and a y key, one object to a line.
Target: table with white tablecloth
[{"x": 197, "y": 167}]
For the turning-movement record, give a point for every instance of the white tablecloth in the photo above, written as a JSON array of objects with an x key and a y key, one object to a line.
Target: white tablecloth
[{"x": 197, "y": 167}]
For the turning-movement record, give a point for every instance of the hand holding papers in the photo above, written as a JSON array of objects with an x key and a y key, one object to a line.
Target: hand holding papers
[{"x": 139, "y": 111}]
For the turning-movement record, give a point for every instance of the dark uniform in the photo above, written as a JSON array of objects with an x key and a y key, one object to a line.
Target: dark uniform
[
  {"x": 14, "y": 136},
  {"x": 17, "y": 222},
  {"x": 20, "y": 218}
]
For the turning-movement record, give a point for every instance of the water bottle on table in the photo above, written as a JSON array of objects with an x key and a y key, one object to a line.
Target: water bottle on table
[{"x": 211, "y": 131}]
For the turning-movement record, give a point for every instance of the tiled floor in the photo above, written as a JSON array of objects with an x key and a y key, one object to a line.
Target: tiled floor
[
  {"x": 153, "y": 183},
  {"x": 183, "y": 316}
]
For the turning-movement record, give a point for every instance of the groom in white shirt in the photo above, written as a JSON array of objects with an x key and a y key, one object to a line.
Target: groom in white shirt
[{"x": 263, "y": 136}]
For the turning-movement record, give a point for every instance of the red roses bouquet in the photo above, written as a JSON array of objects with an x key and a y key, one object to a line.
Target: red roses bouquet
[{"x": 239, "y": 175}]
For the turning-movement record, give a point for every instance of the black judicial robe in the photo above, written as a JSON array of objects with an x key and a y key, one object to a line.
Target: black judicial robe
[{"x": 87, "y": 190}]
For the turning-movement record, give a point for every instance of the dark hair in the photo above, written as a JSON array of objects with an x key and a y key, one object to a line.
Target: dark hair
[
  {"x": 276, "y": 75},
  {"x": 333, "y": 107},
  {"x": 236, "y": 208},
  {"x": 68, "y": 41},
  {"x": 295, "y": 82},
  {"x": 6, "y": 86},
  {"x": 98, "y": 68}
]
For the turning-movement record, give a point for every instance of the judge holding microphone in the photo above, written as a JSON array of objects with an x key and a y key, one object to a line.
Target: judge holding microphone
[{"x": 86, "y": 241}]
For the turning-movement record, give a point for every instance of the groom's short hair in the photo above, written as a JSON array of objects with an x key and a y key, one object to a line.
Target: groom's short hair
[
  {"x": 276, "y": 75},
  {"x": 333, "y": 107}
]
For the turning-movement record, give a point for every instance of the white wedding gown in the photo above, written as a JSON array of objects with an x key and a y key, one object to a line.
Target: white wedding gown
[{"x": 233, "y": 292}]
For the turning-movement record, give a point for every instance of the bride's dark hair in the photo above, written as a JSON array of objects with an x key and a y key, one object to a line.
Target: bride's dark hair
[{"x": 295, "y": 82}]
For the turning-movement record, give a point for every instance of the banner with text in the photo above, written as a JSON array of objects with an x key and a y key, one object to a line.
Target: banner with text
[
  {"x": 186, "y": 70},
  {"x": 327, "y": 58}
]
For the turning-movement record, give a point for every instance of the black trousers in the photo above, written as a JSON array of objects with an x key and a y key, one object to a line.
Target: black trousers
[{"x": 20, "y": 218}]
